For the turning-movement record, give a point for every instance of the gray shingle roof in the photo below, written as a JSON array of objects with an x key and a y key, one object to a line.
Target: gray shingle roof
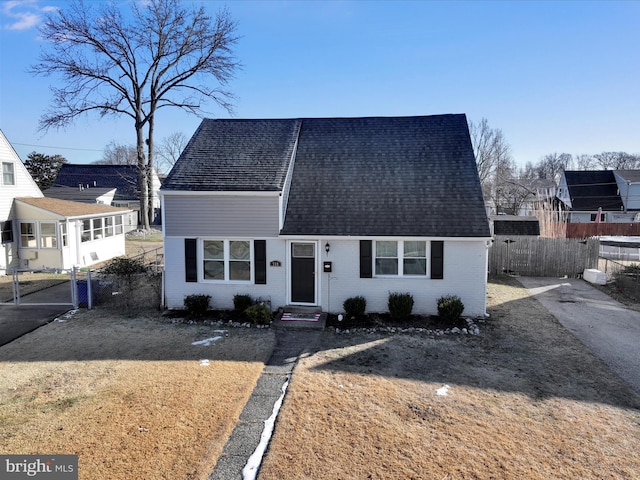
[
  {"x": 386, "y": 176},
  {"x": 375, "y": 176},
  {"x": 632, "y": 176},
  {"x": 235, "y": 155}
]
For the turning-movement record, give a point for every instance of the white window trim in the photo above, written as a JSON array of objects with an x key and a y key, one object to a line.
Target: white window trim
[
  {"x": 55, "y": 235},
  {"x": 13, "y": 174},
  {"x": 226, "y": 259},
  {"x": 401, "y": 258},
  {"x": 35, "y": 234}
]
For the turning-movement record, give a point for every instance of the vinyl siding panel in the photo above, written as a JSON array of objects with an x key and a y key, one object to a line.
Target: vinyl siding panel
[
  {"x": 221, "y": 293},
  {"x": 465, "y": 275},
  {"x": 221, "y": 216}
]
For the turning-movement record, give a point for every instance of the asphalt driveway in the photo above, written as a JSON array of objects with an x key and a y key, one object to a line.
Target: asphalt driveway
[
  {"x": 37, "y": 309},
  {"x": 605, "y": 326}
]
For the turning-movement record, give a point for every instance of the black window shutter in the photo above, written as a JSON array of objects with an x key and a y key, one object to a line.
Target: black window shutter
[
  {"x": 190, "y": 260},
  {"x": 366, "y": 259},
  {"x": 437, "y": 260},
  {"x": 260, "y": 261}
]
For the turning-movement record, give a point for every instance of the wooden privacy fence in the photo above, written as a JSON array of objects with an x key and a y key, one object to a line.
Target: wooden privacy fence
[
  {"x": 542, "y": 257},
  {"x": 585, "y": 230}
]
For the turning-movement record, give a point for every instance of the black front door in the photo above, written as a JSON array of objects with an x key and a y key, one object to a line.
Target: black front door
[{"x": 303, "y": 273}]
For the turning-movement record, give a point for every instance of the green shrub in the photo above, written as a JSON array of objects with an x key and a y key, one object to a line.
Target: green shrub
[
  {"x": 242, "y": 302},
  {"x": 400, "y": 305},
  {"x": 197, "y": 305},
  {"x": 355, "y": 307},
  {"x": 259, "y": 314},
  {"x": 123, "y": 266},
  {"x": 137, "y": 286},
  {"x": 450, "y": 307}
]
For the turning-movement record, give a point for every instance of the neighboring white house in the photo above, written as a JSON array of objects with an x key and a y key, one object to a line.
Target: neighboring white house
[
  {"x": 314, "y": 211},
  {"x": 59, "y": 234},
  {"x": 39, "y": 232},
  {"x": 15, "y": 182}
]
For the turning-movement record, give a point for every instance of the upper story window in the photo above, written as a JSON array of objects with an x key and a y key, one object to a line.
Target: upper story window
[
  {"x": 226, "y": 260},
  {"x": 8, "y": 175},
  {"x": 401, "y": 258}
]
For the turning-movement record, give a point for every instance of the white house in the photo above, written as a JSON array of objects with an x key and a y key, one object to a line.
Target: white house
[
  {"x": 39, "y": 232},
  {"x": 314, "y": 211}
]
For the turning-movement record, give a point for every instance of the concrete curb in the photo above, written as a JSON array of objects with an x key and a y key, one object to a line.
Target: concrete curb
[{"x": 244, "y": 439}]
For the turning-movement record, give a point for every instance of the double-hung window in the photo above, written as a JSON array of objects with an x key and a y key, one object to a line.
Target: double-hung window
[
  {"x": 48, "y": 235},
  {"x": 63, "y": 234},
  {"x": 108, "y": 227},
  {"x": 8, "y": 175},
  {"x": 401, "y": 258},
  {"x": 28, "y": 235},
  {"x": 85, "y": 236},
  {"x": 227, "y": 260}
]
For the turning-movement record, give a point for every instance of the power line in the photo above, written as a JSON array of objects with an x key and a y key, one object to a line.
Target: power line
[{"x": 59, "y": 148}]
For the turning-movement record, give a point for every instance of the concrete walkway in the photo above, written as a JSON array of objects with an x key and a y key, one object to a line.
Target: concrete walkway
[
  {"x": 605, "y": 326},
  {"x": 290, "y": 345}
]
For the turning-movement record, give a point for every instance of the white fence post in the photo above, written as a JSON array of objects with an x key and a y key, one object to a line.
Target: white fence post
[{"x": 16, "y": 287}]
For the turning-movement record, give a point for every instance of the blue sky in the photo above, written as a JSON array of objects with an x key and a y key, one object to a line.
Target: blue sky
[{"x": 553, "y": 76}]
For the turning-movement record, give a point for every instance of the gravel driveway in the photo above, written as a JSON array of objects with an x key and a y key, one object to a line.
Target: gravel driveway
[{"x": 605, "y": 326}]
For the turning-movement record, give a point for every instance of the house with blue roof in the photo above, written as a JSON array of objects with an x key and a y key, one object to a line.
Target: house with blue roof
[
  {"x": 40, "y": 232},
  {"x": 312, "y": 211},
  {"x": 88, "y": 178}
]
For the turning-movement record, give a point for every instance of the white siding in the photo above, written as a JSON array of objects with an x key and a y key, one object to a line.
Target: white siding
[
  {"x": 465, "y": 275},
  {"x": 24, "y": 186},
  {"x": 222, "y": 294},
  {"x": 221, "y": 215}
]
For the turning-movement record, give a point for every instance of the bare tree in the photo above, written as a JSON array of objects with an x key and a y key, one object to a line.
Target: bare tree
[
  {"x": 617, "y": 161},
  {"x": 490, "y": 149},
  {"x": 169, "y": 150},
  {"x": 585, "y": 162},
  {"x": 552, "y": 165},
  {"x": 117, "y": 154},
  {"x": 159, "y": 55}
]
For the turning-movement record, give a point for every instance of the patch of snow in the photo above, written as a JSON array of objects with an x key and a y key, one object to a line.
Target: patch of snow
[
  {"x": 250, "y": 470},
  {"x": 443, "y": 391},
  {"x": 66, "y": 316},
  {"x": 208, "y": 341},
  {"x": 204, "y": 362}
]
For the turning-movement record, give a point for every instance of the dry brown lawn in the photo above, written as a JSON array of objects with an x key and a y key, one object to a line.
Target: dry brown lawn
[
  {"x": 130, "y": 396},
  {"x": 525, "y": 400}
]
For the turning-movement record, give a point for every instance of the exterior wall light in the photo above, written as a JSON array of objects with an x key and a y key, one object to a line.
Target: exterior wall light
[{"x": 327, "y": 247}]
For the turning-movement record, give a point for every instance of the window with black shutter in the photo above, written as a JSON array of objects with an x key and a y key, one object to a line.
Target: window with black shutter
[
  {"x": 190, "y": 260},
  {"x": 260, "y": 259},
  {"x": 366, "y": 259},
  {"x": 437, "y": 260}
]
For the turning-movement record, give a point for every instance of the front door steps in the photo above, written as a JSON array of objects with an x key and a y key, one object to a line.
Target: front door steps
[{"x": 300, "y": 317}]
